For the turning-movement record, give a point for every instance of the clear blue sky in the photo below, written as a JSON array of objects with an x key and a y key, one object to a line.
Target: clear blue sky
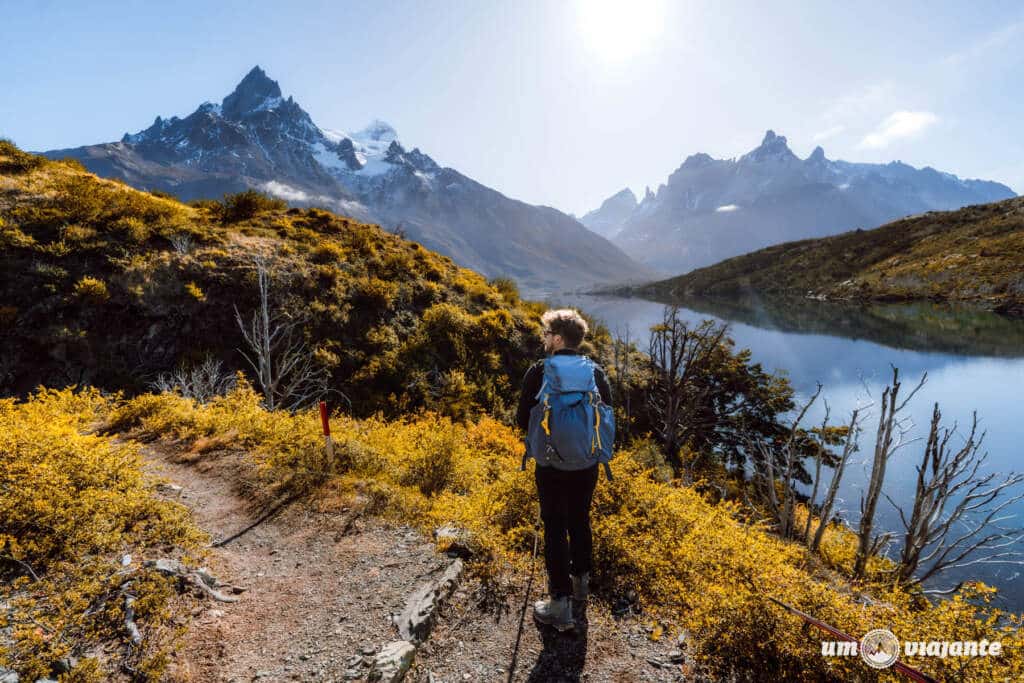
[{"x": 559, "y": 102}]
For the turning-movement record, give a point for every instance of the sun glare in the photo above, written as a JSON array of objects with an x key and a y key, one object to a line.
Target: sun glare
[{"x": 616, "y": 30}]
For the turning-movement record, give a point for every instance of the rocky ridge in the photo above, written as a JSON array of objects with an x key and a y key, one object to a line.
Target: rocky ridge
[{"x": 712, "y": 209}]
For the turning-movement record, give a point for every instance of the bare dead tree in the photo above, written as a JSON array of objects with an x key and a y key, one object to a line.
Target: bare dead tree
[
  {"x": 817, "y": 471},
  {"x": 676, "y": 354},
  {"x": 182, "y": 242},
  {"x": 201, "y": 382},
  {"x": 957, "y": 516},
  {"x": 764, "y": 461},
  {"x": 621, "y": 361},
  {"x": 890, "y": 438},
  {"x": 285, "y": 370},
  {"x": 825, "y": 512}
]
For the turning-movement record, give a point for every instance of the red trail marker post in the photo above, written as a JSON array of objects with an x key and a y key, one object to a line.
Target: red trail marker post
[{"x": 328, "y": 442}]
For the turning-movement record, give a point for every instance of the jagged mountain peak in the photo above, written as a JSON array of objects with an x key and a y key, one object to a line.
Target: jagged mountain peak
[
  {"x": 377, "y": 130},
  {"x": 623, "y": 195},
  {"x": 697, "y": 160},
  {"x": 772, "y": 147},
  {"x": 253, "y": 93},
  {"x": 818, "y": 155}
]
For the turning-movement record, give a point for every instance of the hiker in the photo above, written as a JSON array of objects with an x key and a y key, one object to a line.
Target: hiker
[{"x": 567, "y": 451}]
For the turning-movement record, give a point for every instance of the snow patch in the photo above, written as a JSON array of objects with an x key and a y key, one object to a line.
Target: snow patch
[
  {"x": 327, "y": 158},
  {"x": 267, "y": 104},
  {"x": 727, "y": 208},
  {"x": 373, "y": 166},
  {"x": 333, "y": 135}
]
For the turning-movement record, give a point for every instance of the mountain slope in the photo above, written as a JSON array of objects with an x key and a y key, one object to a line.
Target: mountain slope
[
  {"x": 712, "y": 209},
  {"x": 613, "y": 212},
  {"x": 972, "y": 254},
  {"x": 255, "y": 138}
]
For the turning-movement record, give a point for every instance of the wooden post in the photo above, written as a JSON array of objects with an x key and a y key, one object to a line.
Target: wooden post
[{"x": 328, "y": 443}]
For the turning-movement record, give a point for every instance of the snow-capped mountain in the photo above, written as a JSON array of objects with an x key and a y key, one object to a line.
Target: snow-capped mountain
[
  {"x": 712, "y": 209},
  {"x": 256, "y": 138}
]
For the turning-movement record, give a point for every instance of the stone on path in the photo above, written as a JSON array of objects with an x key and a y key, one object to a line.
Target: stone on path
[
  {"x": 392, "y": 662},
  {"x": 415, "y": 621}
]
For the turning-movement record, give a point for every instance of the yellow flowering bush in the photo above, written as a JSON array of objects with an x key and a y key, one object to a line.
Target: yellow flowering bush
[
  {"x": 695, "y": 564},
  {"x": 72, "y": 505},
  {"x": 91, "y": 289}
]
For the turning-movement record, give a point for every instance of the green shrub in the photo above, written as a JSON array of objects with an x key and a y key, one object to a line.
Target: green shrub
[
  {"x": 245, "y": 205},
  {"x": 13, "y": 160},
  {"x": 92, "y": 290}
]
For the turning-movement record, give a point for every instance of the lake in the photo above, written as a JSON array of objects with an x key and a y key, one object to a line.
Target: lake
[{"x": 974, "y": 360}]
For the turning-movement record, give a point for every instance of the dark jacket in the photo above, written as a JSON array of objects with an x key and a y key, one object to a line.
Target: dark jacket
[{"x": 535, "y": 376}]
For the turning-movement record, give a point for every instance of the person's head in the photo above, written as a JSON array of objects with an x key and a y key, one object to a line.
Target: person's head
[{"x": 563, "y": 329}]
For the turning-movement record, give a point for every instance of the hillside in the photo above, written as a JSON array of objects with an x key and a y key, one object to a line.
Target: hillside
[
  {"x": 106, "y": 285},
  {"x": 974, "y": 254},
  {"x": 712, "y": 209},
  {"x": 258, "y": 139}
]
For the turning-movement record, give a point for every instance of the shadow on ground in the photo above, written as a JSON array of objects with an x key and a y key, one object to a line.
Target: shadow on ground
[{"x": 563, "y": 655}]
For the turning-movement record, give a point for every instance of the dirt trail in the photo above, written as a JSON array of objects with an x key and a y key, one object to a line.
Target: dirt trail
[{"x": 316, "y": 600}]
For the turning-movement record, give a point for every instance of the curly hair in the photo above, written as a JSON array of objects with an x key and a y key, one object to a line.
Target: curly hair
[{"x": 567, "y": 323}]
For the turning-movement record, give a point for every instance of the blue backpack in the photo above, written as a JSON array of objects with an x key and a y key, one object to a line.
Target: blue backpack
[{"x": 570, "y": 428}]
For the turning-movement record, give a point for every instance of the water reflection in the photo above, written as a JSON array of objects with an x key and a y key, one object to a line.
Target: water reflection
[{"x": 974, "y": 361}]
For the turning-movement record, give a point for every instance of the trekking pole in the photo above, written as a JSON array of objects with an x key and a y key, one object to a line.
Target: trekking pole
[
  {"x": 908, "y": 671},
  {"x": 526, "y": 599}
]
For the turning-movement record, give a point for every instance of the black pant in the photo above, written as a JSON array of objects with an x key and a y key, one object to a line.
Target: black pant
[{"x": 565, "y": 508}]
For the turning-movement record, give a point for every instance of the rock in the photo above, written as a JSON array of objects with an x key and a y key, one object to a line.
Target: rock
[
  {"x": 368, "y": 649},
  {"x": 206, "y": 577},
  {"x": 168, "y": 488},
  {"x": 456, "y": 541},
  {"x": 416, "y": 620},
  {"x": 167, "y": 566},
  {"x": 9, "y": 676},
  {"x": 261, "y": 674},
  {"x": 63, "y": 666},
  {"x": 392, "y": 662},
  {"x": 676, "y": 656}
]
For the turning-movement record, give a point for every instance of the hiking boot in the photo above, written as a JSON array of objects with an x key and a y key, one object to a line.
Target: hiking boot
[
  {"x": 555, "y": 612},
  {"x": 580, "y": 586}
]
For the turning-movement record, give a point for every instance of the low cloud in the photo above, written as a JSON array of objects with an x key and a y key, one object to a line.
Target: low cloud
[
  {"x": 899, "y": 125},
  {"x": 727, "y": 208},
  {"x": 345, "y": 207},
  {"x": 286, "y": 192}
]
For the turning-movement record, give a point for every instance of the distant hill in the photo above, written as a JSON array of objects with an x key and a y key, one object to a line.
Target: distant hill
[
  {"x": 973, "y": 254},
  {"x": 712, "y": 209},
  {"x": 256, "y": 138}
]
